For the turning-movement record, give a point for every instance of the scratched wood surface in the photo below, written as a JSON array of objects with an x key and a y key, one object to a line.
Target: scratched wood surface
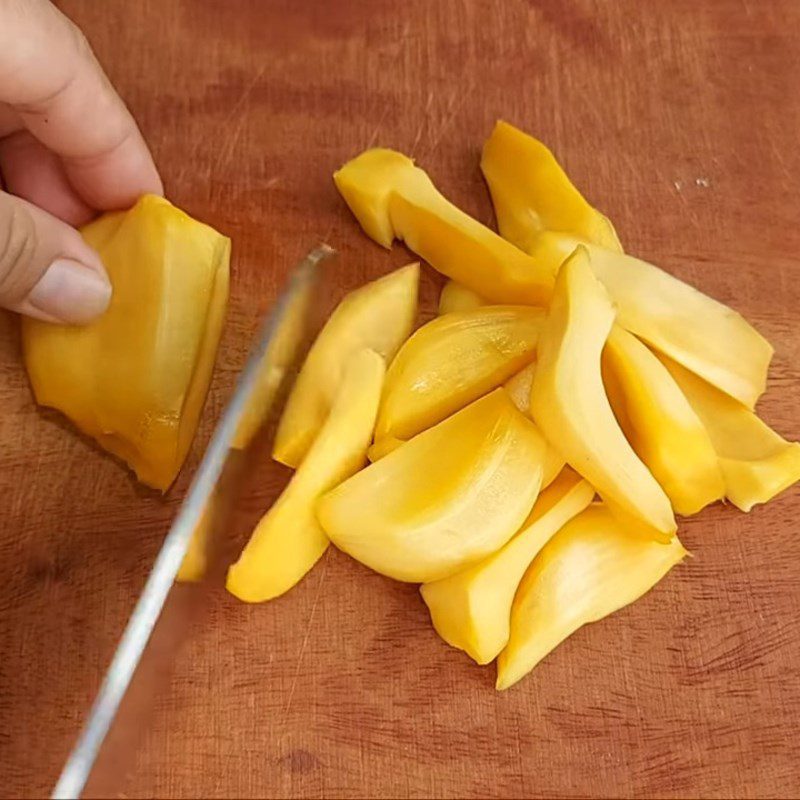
[{"x": 679, "y": 119}]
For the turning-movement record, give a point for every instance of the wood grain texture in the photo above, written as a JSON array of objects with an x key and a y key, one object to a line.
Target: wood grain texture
[{"x": 679, "y": 119}]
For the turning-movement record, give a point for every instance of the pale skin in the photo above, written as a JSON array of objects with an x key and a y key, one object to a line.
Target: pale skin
[{"x": 69, "y": 149}]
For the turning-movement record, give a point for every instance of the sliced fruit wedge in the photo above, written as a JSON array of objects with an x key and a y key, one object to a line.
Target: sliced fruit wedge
[
  {"x": 660, "y": 424},
  {"x": 393, "y": 199},
  {"x": 378, "y": 316},
  {"x": 531, "y": 192},
  {"x": 756, "y": 462},
  {"x": 471, "y": 609},
  {"x": 591, "y": 568},
  {"x": 443, "y": 500},
  {"x": 570, "y": 406},
  {"x": 453, "y": 360},
  {"x": 136, "y": 379},
  {"x": 288, "y": 540}
]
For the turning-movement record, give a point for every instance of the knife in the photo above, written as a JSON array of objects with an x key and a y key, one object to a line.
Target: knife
[{"x": 284, "y": 335}]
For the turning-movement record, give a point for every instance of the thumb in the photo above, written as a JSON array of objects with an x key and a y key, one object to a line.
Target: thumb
[{"x": 46, "y": 269}]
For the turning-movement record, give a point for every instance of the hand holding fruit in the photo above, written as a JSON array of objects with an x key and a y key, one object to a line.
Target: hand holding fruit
[{"x": 68, "y": 148}]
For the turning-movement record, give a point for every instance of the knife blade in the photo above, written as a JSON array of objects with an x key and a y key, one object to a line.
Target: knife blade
[{"x": 268, "y": 368}]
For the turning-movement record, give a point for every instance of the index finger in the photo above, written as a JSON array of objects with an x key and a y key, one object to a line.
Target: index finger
[{"x": 52, "y": 80}]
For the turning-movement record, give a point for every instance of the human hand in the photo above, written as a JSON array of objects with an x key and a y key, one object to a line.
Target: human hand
[{"x": 68, "y": 148}]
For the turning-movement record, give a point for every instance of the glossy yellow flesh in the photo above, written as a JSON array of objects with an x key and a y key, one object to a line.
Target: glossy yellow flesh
[
  {"x": 660, "y": 424},
  {"x": 288, "y": 540},
  {"x": 756, "y": 462},
  {"x": 445, "y": 499},
  {"x": 471, "y": 609},
  {"x": 378, "y": 316},
  {"x": 452, "y": 361},
  {"x": 393, "y": 199},
  {"x": 592, "y": 567},
  {"x": 532, "y": 193},
  {"x": 136, "y": 379},
  {"x": 455, "y": 297},
  {"x": 569, "y": 403}
]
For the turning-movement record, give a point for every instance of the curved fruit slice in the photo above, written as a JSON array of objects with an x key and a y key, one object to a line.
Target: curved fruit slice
[
  {"x": 452, "y": 361},
  {"x": 288, "y": 540},
  {"x": 660, "y": 424},
  {"x": 703, "y": 335},
  {"x": 519, "y": 390},
  {"x": 455, "y": 297},
  {"x": 378, "y": 316},
  {"x": 756, "y": 462},
  {"x": 471, "y": 609},
  {"x": 570, "y": 405},
  {"x": 446, "y": 498},
  {"x": 136, "y": 379},
  {"x": 393, "y": 199},
  {"x": 591, "y": 568},
  {"x": 531, "y": 192}
]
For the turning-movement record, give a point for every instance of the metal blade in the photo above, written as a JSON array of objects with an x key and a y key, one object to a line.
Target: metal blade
[{"x": 258, "y": 385}]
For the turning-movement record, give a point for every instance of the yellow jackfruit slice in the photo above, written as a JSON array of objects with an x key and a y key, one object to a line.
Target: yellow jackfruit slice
[
  {"x": 393, "y": 199},
  {"x": 453, "y": 360},
  {"x": 378, "y": 316},
  {"x": 532, "y": 193},
  {"x": 591, "y": 568},
  {"x": 288, "y": 540},
  {"x": 660, "y": 424},
  {"x": 136, "y": 379},
  {"x": 570, "y": 406},
  {"x": 444, "y": 499}
]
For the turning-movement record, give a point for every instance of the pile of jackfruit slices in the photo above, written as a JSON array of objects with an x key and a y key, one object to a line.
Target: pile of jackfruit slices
[{"x": 529, "y": 447}]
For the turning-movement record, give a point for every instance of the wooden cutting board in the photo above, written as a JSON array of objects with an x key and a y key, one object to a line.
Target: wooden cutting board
[{"x": 679, "y": 119}]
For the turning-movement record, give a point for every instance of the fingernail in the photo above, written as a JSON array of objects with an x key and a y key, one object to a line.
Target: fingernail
[{"x": 71, "y": 292}]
